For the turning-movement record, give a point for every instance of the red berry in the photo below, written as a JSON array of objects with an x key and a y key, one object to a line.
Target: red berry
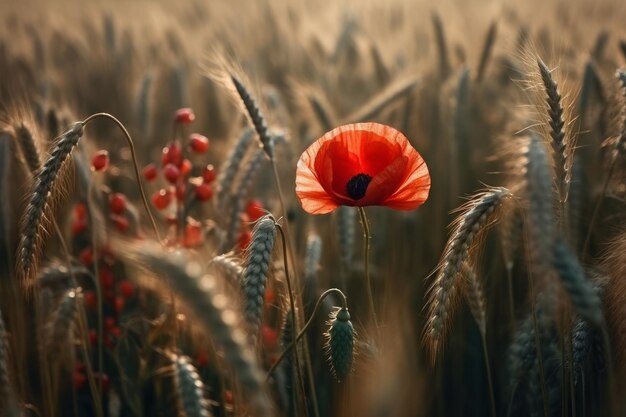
[
  {"x": 79, "y": 380},
  {"x": 184, "y": 116},
  {"x": 198, "y": 143},
  {"x": 185, "y": 167},
  {"x": 193, "y": 234},
  {"x": 118, "y": 305},
  {"x": 80, "y": 211},
  {"x": 171, "y": 173},
  {"x": 172, "y": 154},
  {"x": 106, "y": 382},
  {"x": 86, "y": 256},
  {"x": 270, "y": 337},
  {"x": 254, "y": 210},
  {"x": 228, "y": 396},
  {"x": 121, "y": 222},
  {"x": 106, "y": 277},
  {"x": 116, "y": 331},
  {"x": 127, "y": 289},
  {"x": 208, "y": 173},
  {"x": 270, "y": 296},
  {"x": 161, "y": 199},
  {"x": 117, "y": 203},
  {"x": 204, "y": 192},
  {"x": 109, "y": 323},
  {"x": 202, "y": 359},
  {"x": 100, "y": 160},
  {"x": 244, "y": 239},
  {"x": 79, "y": 227},
  {"x": 90, "y": 299},
  {"x": 150, "y": 172}
]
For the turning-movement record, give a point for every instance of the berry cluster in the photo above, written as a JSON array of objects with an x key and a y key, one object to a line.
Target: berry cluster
[{"x": 184, "y": 184}]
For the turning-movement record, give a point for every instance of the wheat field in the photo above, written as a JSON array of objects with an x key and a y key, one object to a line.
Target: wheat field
[{"x": 156, "y": 259}]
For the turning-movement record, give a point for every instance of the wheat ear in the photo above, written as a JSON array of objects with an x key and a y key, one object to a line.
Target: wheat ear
[
  {"x": 476, "y": 217},
  {"x": 190, "y": 388}
]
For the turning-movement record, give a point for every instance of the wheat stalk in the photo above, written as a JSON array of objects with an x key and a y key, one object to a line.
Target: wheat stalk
[{"x": 477, "y": 215}]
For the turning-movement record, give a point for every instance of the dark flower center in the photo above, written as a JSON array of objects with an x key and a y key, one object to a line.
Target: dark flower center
[{"x": 357, "y": 186}]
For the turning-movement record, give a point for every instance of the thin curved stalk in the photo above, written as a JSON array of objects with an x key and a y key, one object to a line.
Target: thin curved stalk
[
  {"x": 306, "y": 326},
  {"x": 131, "y": 145}
]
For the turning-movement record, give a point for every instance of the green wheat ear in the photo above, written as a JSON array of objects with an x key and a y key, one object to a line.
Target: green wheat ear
[{"x": 340, "y": 344}]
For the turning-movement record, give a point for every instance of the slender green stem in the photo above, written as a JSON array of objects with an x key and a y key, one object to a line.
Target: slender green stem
[
  {"x": 306, "y": 326},
  {"x": 293, "y": 310},
  {"x": 366, "y": 251}
]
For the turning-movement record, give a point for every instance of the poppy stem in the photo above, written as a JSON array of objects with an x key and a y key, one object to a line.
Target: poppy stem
[{"x": 366, "y": 251}]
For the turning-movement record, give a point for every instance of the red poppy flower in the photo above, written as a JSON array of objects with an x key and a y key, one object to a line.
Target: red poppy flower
[{"x": 362, "y": 164}]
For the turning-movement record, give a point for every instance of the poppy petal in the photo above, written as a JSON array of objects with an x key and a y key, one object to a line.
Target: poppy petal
[
  {"x": 312, "y": 195},
  {"x": 380, "y": 147},
  {"x": 385, "y": 183},
  {"x": 414, "y": 190}
]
